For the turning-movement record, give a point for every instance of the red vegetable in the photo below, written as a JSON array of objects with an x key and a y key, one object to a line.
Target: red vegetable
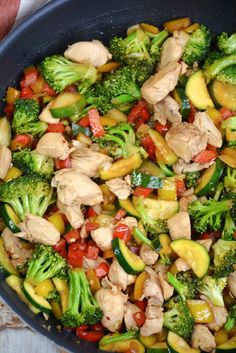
[
  {"x": 226, "y": 113},
  {"x": 149, "y": 146},
  {"x": 9, "y": 109},
  {"x": 72, "y": 236},
  {"x": 21, "y": 141},
  {"x": 92, "y": 251},
  {"x": 63, "y": 163},
  {"x": 91, "y": 212},
  {"x": 89, "y": 226},
  {"x": 139, "y": 114},
  {"x": 84, "y": 122},
  {"x": 60, "y": 245},
  {"x": 140, "y": 191},
  {"x": 102, "y": 270},
  {"x": 31, "y": 75},
  {"x": 95, "y": 123},
  {"x": 122, "y": 231},
  {"x": 142, "y": 304},
  {"x": 192, "y": 113},
  {"x": 26, "y": 93},
  {"x": 180, "y": 187},
  {"x": 75, "y": 257},
  {"x": 162, "y": 129},
  {"x": 120, "y": 214},
  {"x": 210, "y": 235},
  {"x": 205, "y": 156},
  {"x": 58, "y": 127},
  {"x": 49, "y": 90},
  {"x": 84, "y": 333},
  {"x": 139, "y": 318}
]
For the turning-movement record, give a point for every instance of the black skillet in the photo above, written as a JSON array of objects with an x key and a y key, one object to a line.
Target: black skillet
[{"x": 63, "y": 22}]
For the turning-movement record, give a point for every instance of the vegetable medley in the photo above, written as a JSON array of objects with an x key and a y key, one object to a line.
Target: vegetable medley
[{"x": 118, "y": 189}]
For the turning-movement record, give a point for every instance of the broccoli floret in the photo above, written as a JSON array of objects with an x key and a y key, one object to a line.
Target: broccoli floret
[
  {"x": 179, "y": 319},
  {"x": 164, "y": 259},
  {"x": 25, "y": 119},
  {"x": 208, "y": 215},
  {"x": 197, "y": 46},
  {"x": 191, "y": 179},
  {"x": 60, "y": 72},
  {"x": 45, "y": 263},
  {"x": 82, "y": 306},
  {"x": 124, "y": 137},
  {"x": 53, "y": 296},
  {"x": 228, "y": 75},
  {"x": 212, "y": 69},
  {"x": 156, "y": 44},
  {"x": 231, "y": 195},
  {"x": 212, "y": 288},
  {"x": 27, "y": 194},
  {"x": 229, "y": 228},
  {"x": 30, "y": 162},
  {"x": 184, "y": 284},
  {"x": 231, "y": 319},
  {"x": 226, "y": 43},
  {"x": 224, "y": 257}
]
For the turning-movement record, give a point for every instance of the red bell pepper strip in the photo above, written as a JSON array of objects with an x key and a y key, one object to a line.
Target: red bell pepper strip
[
  {"x": 140, "y": 191},
  {"x": 31, "y": 75},
  {"x": 120, "y": 214},
  {"x": 191, "y": 114},
  {"x": 9, "y": 109},
  {"x": 75, "y": 257},
  {"x": 49, "y": 90},
  {"x": 210, "y": 235},
  {"x": 58, "y": 127},
  {"x": 102, "y": 270},
  {"x": 60, "y": 245},
  {"x": 89, "y": 226},
  {"x": 180, "y": 187},
  {"x": 26, "y": 93},
  {"x": 71, "y": 88},
  {"x": 149, "y": 146},
  {"x": 122, "y": 231},
  {"x": 79, "y": 245},
  {"x": 72, "y": 236},
  {"x": 95, "y": 123},
  {"x": 84, "y": 333},
  {"x": 139, "y": 114},
  {"x": 63, "y": 163},
  {"x": 139, "y": 318},
  {"x": 226, "y": 113},
  {"x": 90, "y": 212},
  {"x": 205, "y": 156},
  {"x": 92, "y": 251},
  {"x": 22, "y": 141},
  {"x": 162, "y": 129},
  {"x": 84, "y": 121},
  {"x": 141, "y": 304}
]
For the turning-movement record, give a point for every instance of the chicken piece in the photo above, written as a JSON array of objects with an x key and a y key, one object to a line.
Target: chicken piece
[
  {"x": 182, "y": 167},
  {"x": 158, "y": 86},
  {"x": 220, "y": 317},
  {"x": 173, "y": 48},
  {"x": 152, "y": 287},
  {"x": 179, "y": 226},
  {"x": 161, "y": 271},
  {"x": 53, "y": 144},
  {"x": 16, "y": 248},
  {"x": 111, "y": 302},
  {"x": 46, "y": 115},
  {"x": 73, "y": 213},
  {"x": 119, "y": 187},
  {"x": 102, "y": 237},
  {"x": 92, "y": 264},
  {"x": 154, "y": 320},
  {"x": 148, "y": 255},
  {"x": 232, "y": 283},
  {"x": 119, "y": 277},
  {"x": 87, "y": 161},
  {"x": 131, "y": 222},
  {"x": 207, "y": 243},
  {"x": 205, "y": 124},
  {"x": 202, "y": 338},
  {"x": 186, "y": 140},
  {"x": 94, "y": 53},
  {"x": 74, "y": 188},
  {"x": 167, "y": 109},
  {"x": 130, "y": 311},
  {"x": 185, "y": 201},
  {"x": 181, "y": 265},
  {"x": 5, "y": 161},
  {"x": 38, "y": 230}
]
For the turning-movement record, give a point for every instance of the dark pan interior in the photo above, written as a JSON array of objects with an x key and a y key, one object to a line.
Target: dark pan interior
[{"x": 63, "y": 22}]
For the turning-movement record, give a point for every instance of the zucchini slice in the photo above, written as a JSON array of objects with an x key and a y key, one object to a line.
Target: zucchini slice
[
  {"x": 63, "y": 290},
  {"x": 145, "y": 180},
  {"x": 210, "y": 179},
  {"x": 196, "y": 91},
  {"x": 129, "y": 261},
  {"x": 151, "y": 169},
  {"x": 193, "y": 253},
  {"x": 227, "y": 347},
  {"x": 10, "y": 217},
  {"x": 177, "y": 344},
  {"x": 182, "y": 99},
  {"x": 122, "y": 346},
  {"x": 223, "y": 94},
  {"x": 5, "y": 262},
  {"x": 67, "y": 104},
  {"x": 5, "y": 132},
  {"x": 160, "y": 347},
  {"x": 129, "y": 207},
  {"x": 36, "y": 300}
]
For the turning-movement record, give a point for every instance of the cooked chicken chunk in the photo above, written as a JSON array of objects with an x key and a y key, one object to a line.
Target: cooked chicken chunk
[
  {"x": 148, "y": 255},
  {"x": 94, "y": 53},
  {"x": 5, "y": 161},
  {"x": 186, "y": 140},
  {"x": 120, "y": 188},
  {"x": 92, "y": 264},
  {"x": 158, "y": 86},
  {"x": 180, "y": 226},
  {"x": 130, "y": 310},
  {"x": 207, "y": 243},
  {"x": 131, "y": 222},
  {"x": 181, "y": 265},
  {"x": 53, "y": 144},
  {"x": 111, "y": 301},
  {"x": 173, "y": 48},
  {"x": 182, "y": 167},
  {"x": 161, "y": 271},
  {"x": 185, "y": 201},
  {"x": 119, "y": 277},
  {"x": 154, "y": 320},
  {"x": 74, "y": 188},
  {"x": 152, "y": 287},
  {"x": 38, "y": 230},
  {"x": 73, "y": 213},
  {"x": 102, "y": 237},
  {"x": 19, "y": 254},
  {"x": 220, "y": 317},
  {"x": 46, "y": 115},
  {"x": 202, "y": 338},
  {"x": 87, "y": 161},
  {"x": 167, "y": 109},
  {"x": 205, "y": 124},
  {"x": 232, "y": 283}
]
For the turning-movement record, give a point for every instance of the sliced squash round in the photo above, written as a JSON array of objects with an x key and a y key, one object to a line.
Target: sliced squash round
[
  {"x": 67, "y": 104},
  {"x": 10, "y": 217},
  {"x": 5, "y": 262},
  {"x": 160, "y": 347},
  {"x": 177, "y": 344},
  {"x": 210, "y": 179},
  {"x": 223, "y": 94},
  {"x": 227, "y": 347},
  {"x": 36, "y": 300}
]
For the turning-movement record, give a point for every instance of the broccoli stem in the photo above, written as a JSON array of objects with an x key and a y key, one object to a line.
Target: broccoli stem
[
  {"x": 220, "y": 64},
  {"x": 178, "y": 286},
  {"x": 117, "y": 337},
  {"x": 139, "y": 234}
]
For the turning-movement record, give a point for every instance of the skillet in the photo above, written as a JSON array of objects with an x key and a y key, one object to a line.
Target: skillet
[{"x": 63, "y": 22}]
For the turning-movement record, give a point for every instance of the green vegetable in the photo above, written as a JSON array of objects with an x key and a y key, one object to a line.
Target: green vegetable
[
  {"x": 211, "y": 71},
  {"x": 27, "y": 194},
  {"x": 30, "y": 162},
  {"x": 156, "y": 44},
  {"x": 117, "y": 337},
  {"x": 227, "y": 43},
  {"x": 229, "y": 228},
  {"x": 121, "y": 342},
  {"x": 230, "y": 177},
  {"x": 53, "y": 296},
  {"x": 191, "y": 179},
  {"x": 37, "y": 301},
  {"x": 227, "y": 347},
  {"x": 45, "y": 263},
  {"x": 145, "y": 180},
  {"x": 10, "y": 218},
  {"x": 177, "y": 344},
  {"x": 197, "y": 46},
  {"x": 5, "y": 263},
  {"x": 82, "y": 306},
  {"x": 212, "y": 288},
  {"x": 165, "y": 169},
  {"x": 223, "y": 94},
  {"x": 224, "y": 257},
  {"x": 76, "y": 129},
  {"x": 231, "y": 319},
  {"x": 154, "y": 244},
  {"x": 67, "y": 104},
  {"x": 210, "y": 179},
  {"x": 228, "y": 75},
  {"x": 184, "y": 284}
]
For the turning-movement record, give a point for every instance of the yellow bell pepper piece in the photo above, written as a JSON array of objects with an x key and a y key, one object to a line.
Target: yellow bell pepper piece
[
  {"x": 161, "y": 336},
  {"x": 108, "y": 254},
  {"x": 113, "y": 65},
  {"x": 13, "y": 173},
  {"x": 139, "y": 283},
  {"x": 57, "y": 220},
  {"x": 191, "y": 28},
  {"x": 149, "y": 28},
  {"x": 163, "y": 152},
  {"x": 165, "y": 243},
  {"x": 228, "y": 156},
  {"x": 63, "y": 290},
  {"x": 106, "y": 121},
  {"x": 12, "y": 95},
  {"x": 200, "y": 311},
  {"x": 44, "y": 288},
  {"x": 116, "y": 114},
  {"x": 221, "y": 337},
  {"x": 56, "y": 309},
  {"x": 168, "y": 191},
  {"x": 177, "y": 24},
  {"x": 93, "y": 280},
  {"x": 230, "y": 135},
  {"x": 108, "y": 196},
  {"x": 215, "y": 115}
]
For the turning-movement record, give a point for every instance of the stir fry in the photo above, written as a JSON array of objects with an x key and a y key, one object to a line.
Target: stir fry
[{"x": 118, "y": 189}]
